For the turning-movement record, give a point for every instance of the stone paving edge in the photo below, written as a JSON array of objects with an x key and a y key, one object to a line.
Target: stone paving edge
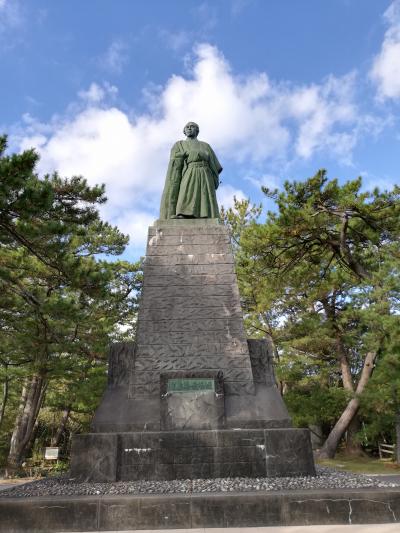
[{"x": 191, "y": 511}]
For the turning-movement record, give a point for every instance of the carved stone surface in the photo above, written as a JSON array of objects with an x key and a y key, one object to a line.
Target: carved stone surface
[
  {"x": 192, "y": 322},
  {"x": 261, "y": 358},
  {"x": 184, "y": 291},
  {"x": 202, "y": 408},
  {"x": 94, "y": 456},
  {"x": 120, "y": 362},
  {"x": 198, "y": 280},
  {"x": 195, "y": 454},
  {"x": 190, "y": 327},
  {"x": 179, "y": 338},
  {"x": 201, "y": 306},
  {"x": 288, "y": 452}
]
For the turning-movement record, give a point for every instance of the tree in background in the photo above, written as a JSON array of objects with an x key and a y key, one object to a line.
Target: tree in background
[
  {"x": 320, "y": 276},
  {"x": 380, "y": 403},
  {"x": 61, "y": 304}
]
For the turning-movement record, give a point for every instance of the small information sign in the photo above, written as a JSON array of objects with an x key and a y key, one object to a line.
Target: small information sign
[
  {"x": 191, "y": 385},
  {"x": 51, "y": 454}
]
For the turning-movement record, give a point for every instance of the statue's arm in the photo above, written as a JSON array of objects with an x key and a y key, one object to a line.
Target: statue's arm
[
  {"x": 176, "y": 161},
  {"x": 172, "y": 182},
  {"x": 215, "y": 166}
]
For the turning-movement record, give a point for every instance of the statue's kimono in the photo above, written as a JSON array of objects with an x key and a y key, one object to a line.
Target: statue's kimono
[{"x": 192, "y": 178}]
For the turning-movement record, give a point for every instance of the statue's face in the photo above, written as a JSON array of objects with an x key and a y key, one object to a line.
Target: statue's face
[{"x": 191, "y": 130}]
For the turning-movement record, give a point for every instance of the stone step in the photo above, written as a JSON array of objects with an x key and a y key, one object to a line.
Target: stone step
[{"x": 310, "y": 510}]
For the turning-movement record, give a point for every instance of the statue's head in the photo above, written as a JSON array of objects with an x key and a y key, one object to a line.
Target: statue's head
[{"x": 191, "y": 129}]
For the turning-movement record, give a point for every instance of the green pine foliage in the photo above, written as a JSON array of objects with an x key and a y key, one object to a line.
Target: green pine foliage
[
  {"x": 380, "y": 403},
  {"x": 62, "y": 302},
  {"x": 320, "y": 277}
]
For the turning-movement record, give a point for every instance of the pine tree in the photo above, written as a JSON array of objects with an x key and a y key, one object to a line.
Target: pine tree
[
  {"x": 61, "y": 302},
  {"x": 321, "y": 274}
]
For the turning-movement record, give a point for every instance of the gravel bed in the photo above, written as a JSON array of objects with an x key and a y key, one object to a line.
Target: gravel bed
[{"x": 326, "y": 478}]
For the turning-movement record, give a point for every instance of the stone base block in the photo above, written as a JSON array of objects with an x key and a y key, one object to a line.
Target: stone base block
[
  {"x": 185, "y": 511},
  {"x": 192, "y": 454}
]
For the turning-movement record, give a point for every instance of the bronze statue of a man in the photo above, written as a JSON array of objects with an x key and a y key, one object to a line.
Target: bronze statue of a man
[{"x": 192, "y": 179}]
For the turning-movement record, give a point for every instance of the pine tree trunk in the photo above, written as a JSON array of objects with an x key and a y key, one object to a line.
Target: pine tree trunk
[
  {"x": 329, "y": 448},
  {"x": 4, "y": 400},
  {"x": 55, "y": 441},
  {"x": 341, "y": 352},
  {"x": 31, "y": 400},
  {"x": 345, "y": 370},
  {"x": 398, "y": 438},
  {"x": 31, "y": 442},
  {"x": 273, "y": 352},
  {"x": 17, "y": 427},
  {"x": 353, "y": 445}
]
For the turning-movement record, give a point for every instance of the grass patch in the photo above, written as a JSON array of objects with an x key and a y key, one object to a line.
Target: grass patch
[{"x": 361, "y": 465}]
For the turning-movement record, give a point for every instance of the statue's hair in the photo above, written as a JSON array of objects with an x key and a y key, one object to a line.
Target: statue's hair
[{"x": 194, "y": 123}]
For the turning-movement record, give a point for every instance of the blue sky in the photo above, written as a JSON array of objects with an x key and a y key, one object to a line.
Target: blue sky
[{"x": 280, "y": 88}]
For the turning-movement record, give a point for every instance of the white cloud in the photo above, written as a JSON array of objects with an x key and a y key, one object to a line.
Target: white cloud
[
  {"x": 385, "y": 71},
  {"x": 207, "y": 17},
  {"x": 238, "y": 6},
  {"x": 248, "y": 119},
  {"x": 97, "y": 93},
  {"x": 265, "y": 180},
  {"x": 135, "y": 225},
  {"x": 226, "y": 195},
  {"x": 10, "y": 15},
  {"x": 176, "y": 40},
  {"x": 321, "y": 109},
  {"x": 115, "y": 58},
  {"x": 383, "y": 183}
]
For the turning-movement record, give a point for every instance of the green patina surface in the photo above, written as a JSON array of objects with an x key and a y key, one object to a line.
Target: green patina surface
[
  {"x": 192, "y": 179},
  {"x": 190, "y": 384}
]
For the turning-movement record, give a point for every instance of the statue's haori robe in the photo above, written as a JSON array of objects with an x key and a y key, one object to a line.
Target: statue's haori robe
[{"x": 192, "y": 178}]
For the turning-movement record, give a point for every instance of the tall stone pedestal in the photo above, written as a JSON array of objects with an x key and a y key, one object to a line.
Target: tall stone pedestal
[{"x": 192, "y": 397}]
